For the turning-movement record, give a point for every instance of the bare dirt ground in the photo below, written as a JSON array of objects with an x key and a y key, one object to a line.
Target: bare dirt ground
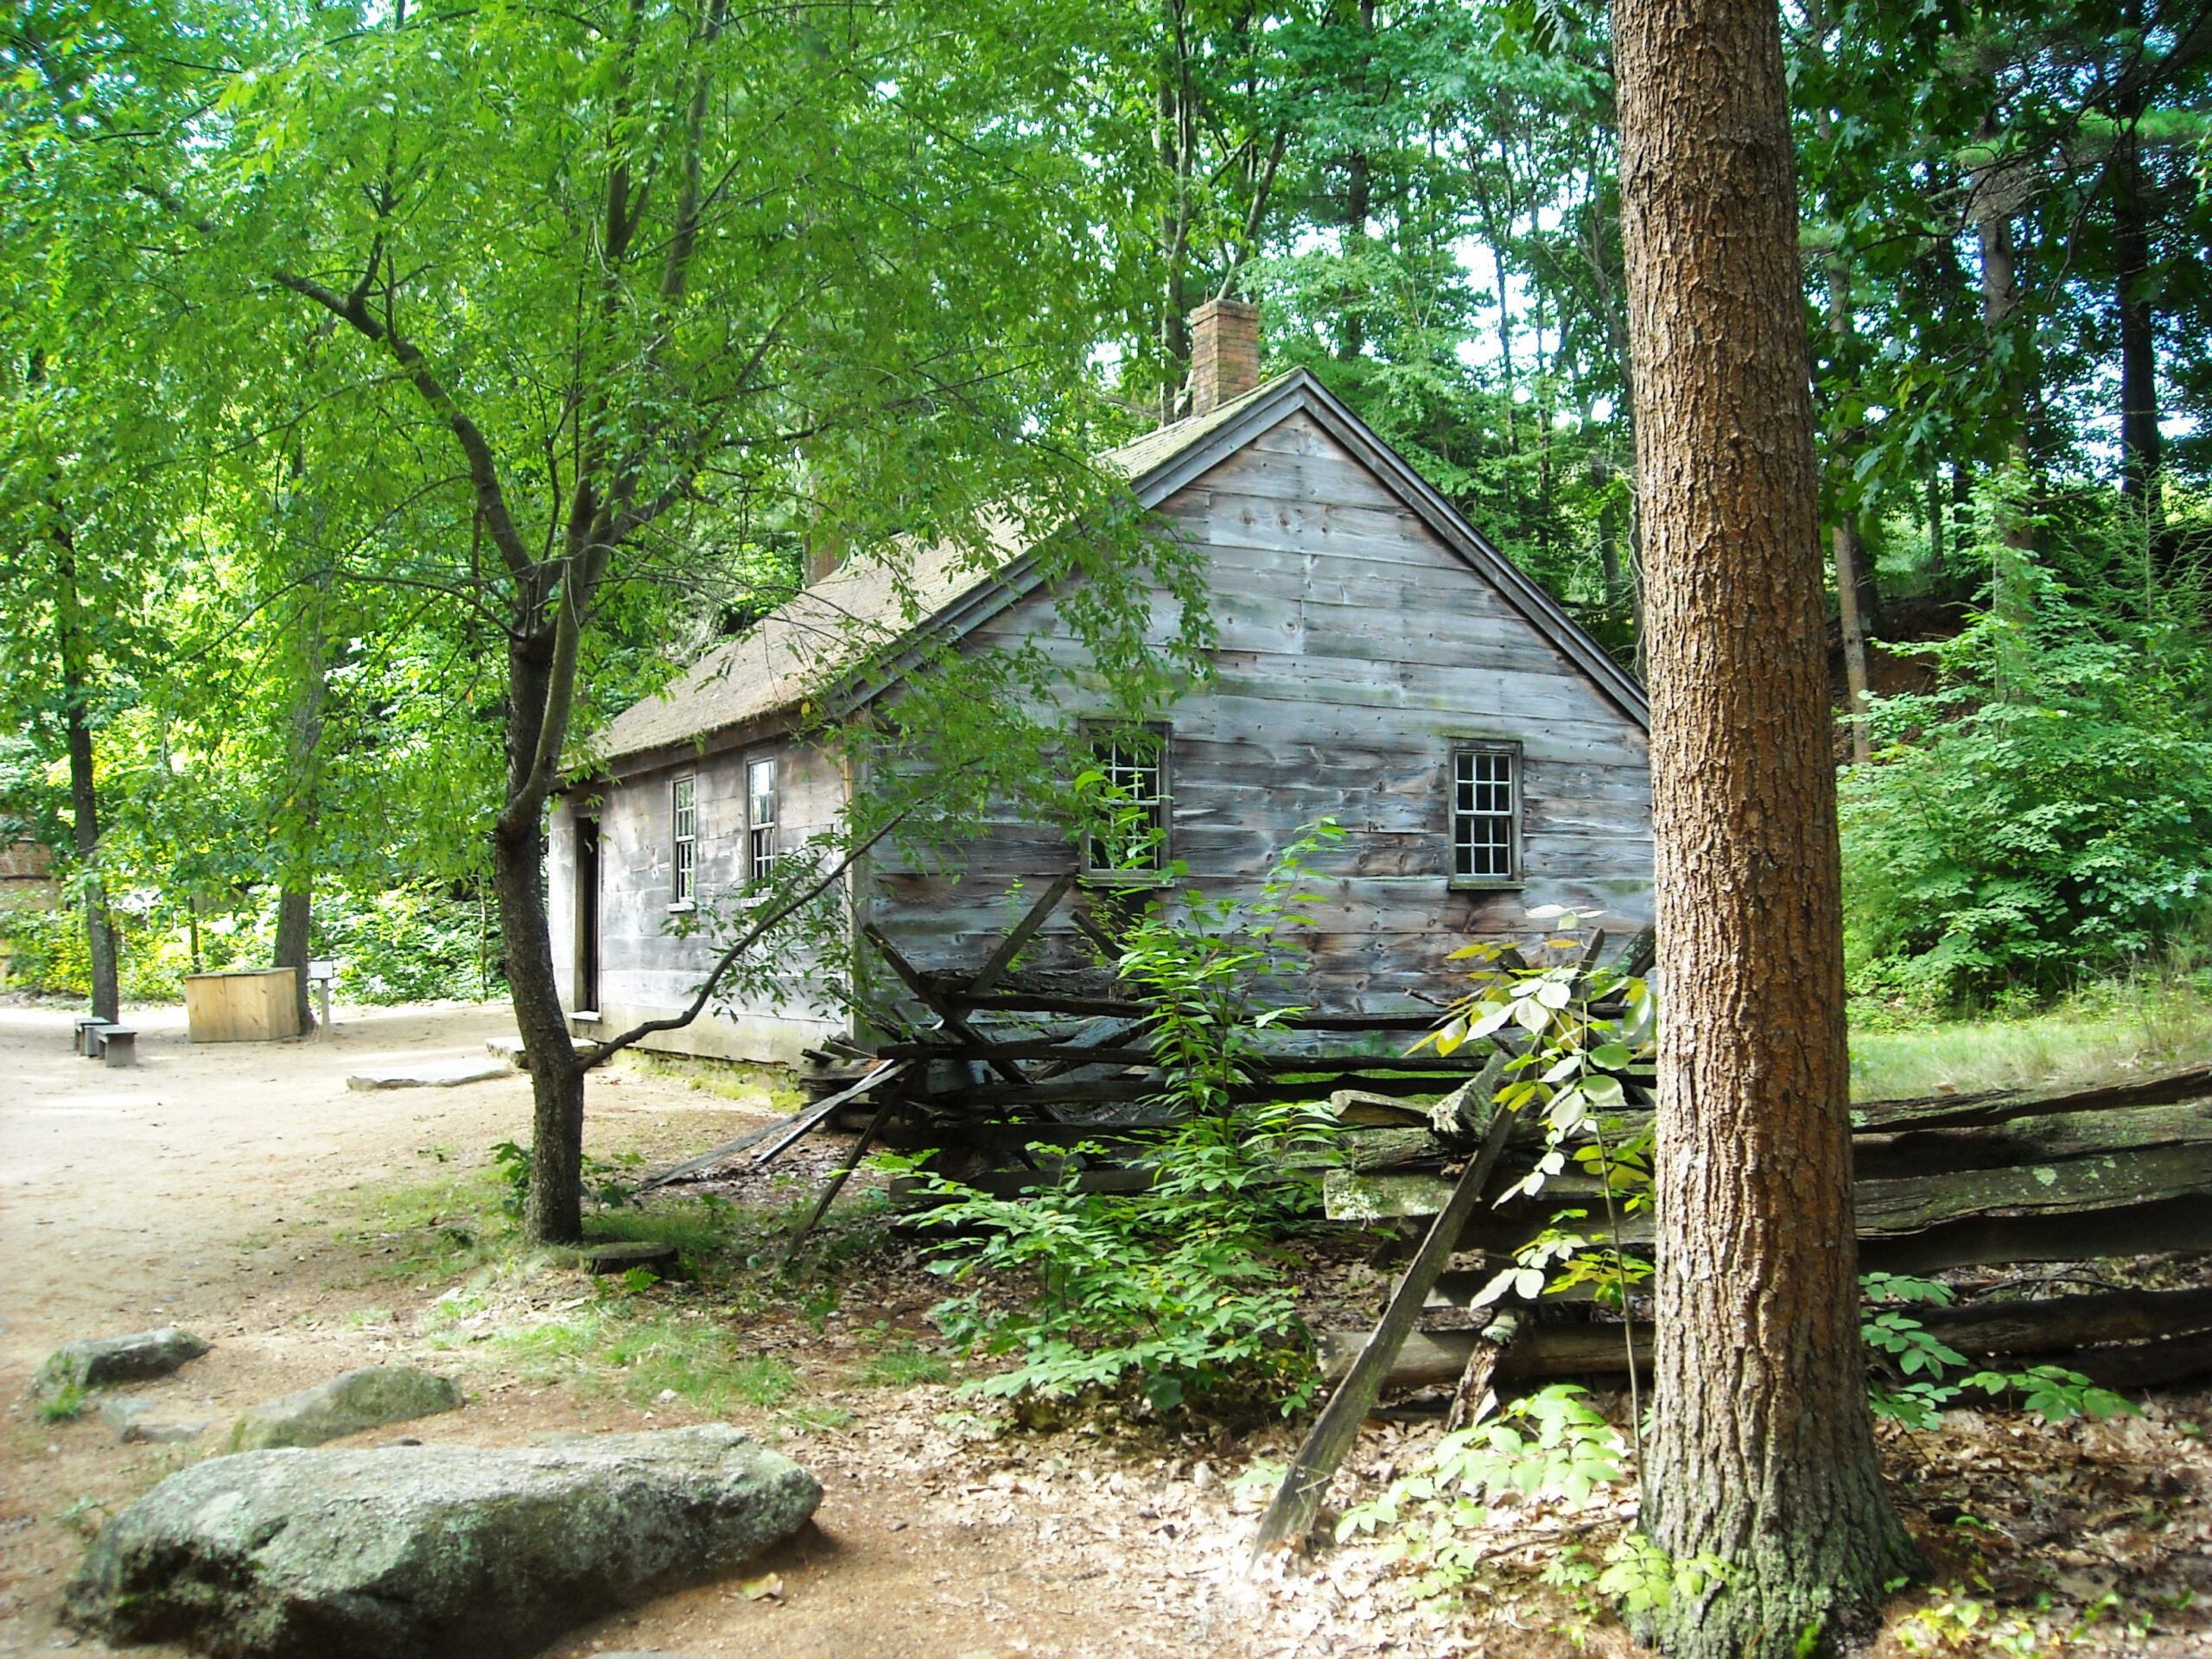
[
  {"x": 243, "y": 1192},
  {"x": 201, "y": 1188}
]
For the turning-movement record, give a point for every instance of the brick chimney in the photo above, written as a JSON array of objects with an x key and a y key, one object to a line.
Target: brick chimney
[{"x": 1225, "y": 353}]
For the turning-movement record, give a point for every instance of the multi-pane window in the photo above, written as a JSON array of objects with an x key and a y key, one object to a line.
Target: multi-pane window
[
  {"x": 1486, "y": 813},
  {"x": 687, "y": 840},
  {"x": 761, "y": 819},
  {"x": 1127, "y": 795}
]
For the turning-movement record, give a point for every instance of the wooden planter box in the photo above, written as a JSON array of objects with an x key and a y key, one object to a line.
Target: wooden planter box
[{"x": 253, "y": 1005}]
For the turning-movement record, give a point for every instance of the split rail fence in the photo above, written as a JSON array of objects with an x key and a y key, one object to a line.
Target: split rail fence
[{"x": 1007, "y": 1083}]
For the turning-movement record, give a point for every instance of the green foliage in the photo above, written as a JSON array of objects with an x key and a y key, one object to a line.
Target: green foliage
[
  {"x": 1551, "y": 1445},
  {"x": 1918, "y": 1392},
  {"x": 1176, "y": 1291},
  {"x": 601, "y": 1180},
  {"x": 2046, "y": 815},
  {"x": 63, "y": 1404}
]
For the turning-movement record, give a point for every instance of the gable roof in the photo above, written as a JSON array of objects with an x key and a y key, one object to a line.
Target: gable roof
[{"x": 868, "y": 606}]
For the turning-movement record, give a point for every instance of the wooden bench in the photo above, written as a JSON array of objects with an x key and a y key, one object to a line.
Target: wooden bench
[
  {"x": 85, "y": 1024},
  {"x": 119, "y": 1045}
]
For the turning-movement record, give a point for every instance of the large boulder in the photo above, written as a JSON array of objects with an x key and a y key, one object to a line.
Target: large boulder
[
  {"x": 101, "y": 1361},
  {"x": 368, "y": 1398},
  {"x": 430, "y": 1550}
]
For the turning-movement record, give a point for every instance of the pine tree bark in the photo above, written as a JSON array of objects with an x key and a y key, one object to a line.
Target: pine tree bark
[{"x": 1764, "y": 1452}]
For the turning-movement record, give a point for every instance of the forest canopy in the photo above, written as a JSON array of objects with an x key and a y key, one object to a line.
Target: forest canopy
[{"x": 347, "y": 350}]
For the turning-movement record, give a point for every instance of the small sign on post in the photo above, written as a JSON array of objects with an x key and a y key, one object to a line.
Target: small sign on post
[{"x": 321, "y": 972}]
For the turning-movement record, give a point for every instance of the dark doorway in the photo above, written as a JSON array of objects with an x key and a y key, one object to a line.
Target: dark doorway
[{"x": 587, "y": 998}]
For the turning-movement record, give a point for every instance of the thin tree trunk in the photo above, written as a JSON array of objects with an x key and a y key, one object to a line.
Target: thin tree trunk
[
  {"x": 1609, "y": 528},
  {"x": 1843, "y": 538},
  {"x": 2140, "y": 442},
  {"x": 2015, "y": 543},
  {"x": 83, "y": 791},
  {"x": 1764, "y": 1452},
  {"x": 1352, "y": 337},
  {"x": 555, "y": 1212},
  {"x": 1358, "y": 193},
  {"x": 1935, "y": 528},
  {"x": 299, "y": 821},
  {"x": 1504, "y": 342}
]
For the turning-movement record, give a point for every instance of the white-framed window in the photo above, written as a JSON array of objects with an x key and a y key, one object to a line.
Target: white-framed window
[
  {"x": 761, "y": 819},
  {"x": 1126, "y": 778},
  {"x": 1485, "y": 814},
  {"x": 685, "y": 886}
]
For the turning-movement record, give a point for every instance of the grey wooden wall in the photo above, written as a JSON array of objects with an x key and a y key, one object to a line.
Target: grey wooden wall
[
  {"x": 1354, "y": 648},
  {"x": 645, "y": 970}
]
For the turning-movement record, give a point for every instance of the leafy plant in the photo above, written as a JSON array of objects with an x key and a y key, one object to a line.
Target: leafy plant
[
  {"x": 1922, "y": 1364},
  {"x": 1552, "y": 1444},
  {"x": 601, "y": 1179},
  {"x": 1177, "y": 1291},
  {"x": 63, "y": 1404},
  {"x": 2042, "y": 816}
]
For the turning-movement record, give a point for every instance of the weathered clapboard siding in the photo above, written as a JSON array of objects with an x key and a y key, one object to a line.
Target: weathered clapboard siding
[
  {"x": 1354, "y": 647},
  {"x": 646, "y": 970},
  {"x": 1355, "y": 644}
]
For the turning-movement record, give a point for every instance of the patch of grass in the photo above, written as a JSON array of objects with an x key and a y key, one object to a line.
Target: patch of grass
[
  {"x": 642, "y": 1353},
  {"x": 64, "y": 1404},
  {"x": 700, "y": 1229},
  {"x": 903, "y": 1365},
  {"x": 438, "y": 1228},
  {"x": 362, "y": 1318},
  {"x": 2105, "y": 1030},
  {"x": 730, "y": 1079},
  {"x": 85, "y": 1517}
]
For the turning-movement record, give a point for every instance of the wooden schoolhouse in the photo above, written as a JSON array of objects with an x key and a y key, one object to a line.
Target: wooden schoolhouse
[{"x": 1376, "y": 661}]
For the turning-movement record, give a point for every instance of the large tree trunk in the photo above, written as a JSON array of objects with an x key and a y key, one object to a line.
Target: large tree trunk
[
  {"x": 83, "y": 792},
  {"x": 1764, "y": 1453}
]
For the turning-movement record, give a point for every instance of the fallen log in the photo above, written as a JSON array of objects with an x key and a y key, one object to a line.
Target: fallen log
[
  {"x": 1996, "y": 1106},
  {"x": 2046, "y": 1331},
  {"x": 1932, "y": 1221}
]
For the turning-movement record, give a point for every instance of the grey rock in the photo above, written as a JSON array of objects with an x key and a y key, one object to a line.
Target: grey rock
[
  {"x": 132, "y": 1421},
  {"x": 100, "y": 1362},
  {"x": 344, "y": 1405},
  {"x": 430, "y": 1550}
]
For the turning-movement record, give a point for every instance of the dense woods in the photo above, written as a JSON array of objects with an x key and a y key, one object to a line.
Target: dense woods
[{"x": 280, "y": 488}]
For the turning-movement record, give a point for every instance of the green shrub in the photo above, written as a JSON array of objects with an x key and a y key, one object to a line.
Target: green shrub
[
  {"x": 410, "y": 944},
  {"x": 1177, "y": 1289},
  {"x": 2044, "y": 817},
  {"x": 400, "y": 945}
]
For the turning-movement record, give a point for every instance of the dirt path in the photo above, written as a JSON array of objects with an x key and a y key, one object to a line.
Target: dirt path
[{"x": 199, "y": 1188}]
